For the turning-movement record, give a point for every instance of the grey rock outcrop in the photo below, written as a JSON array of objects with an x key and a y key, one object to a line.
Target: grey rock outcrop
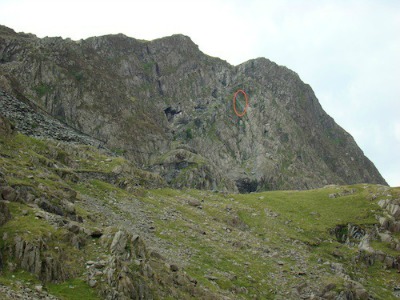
[
  {"x": 5, "y": 214},
  {"x": 33, "y": 257},
  {"x": 133, "y": 272},
  {"x": 6, "y": 128},
  {"x": 119, "y": 243},
  {"x": 30, "y": 120},
  {"x": 8, "y": 193},
  {"x": 25, "y": 293},
  {"x": 148, "y": 99},
  {"x": 385, "y": 232}
]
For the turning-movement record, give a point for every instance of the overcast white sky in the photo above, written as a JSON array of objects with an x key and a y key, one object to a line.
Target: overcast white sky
[{"x": 348, "y": 51}]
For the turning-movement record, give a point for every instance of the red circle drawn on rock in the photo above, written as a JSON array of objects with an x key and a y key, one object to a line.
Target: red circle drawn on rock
[{"x": 234, "y": 103}]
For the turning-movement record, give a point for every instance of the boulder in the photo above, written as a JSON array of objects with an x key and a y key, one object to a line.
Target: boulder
[
  {"x": 384, "y": 223},
  {"x": 138, "y": 247},
  {"x": 389, "y": 262},
  {"x": 385, "y": 237},
  {"x": 49, "y": 207},
  {"x": 25, "y": 193},
  {"x": 174, "y": 268},
  {"x": 394, "y": 210},
  {"x": 8, "y": 193},
  {"x": 329, "y": 287},
  {"x": 380, "y": 255},
  {"x": 395, "y": 227},
  {"x": 92, "y": 283},
  {"x": 119, "y": 243},
  {"x": 383, "y": 203},
  {"x": 156, "y": 255},
  {"x": 365, "y": 244},
  {"x": 69, "y": 207},
  {"x": 361, "y": 293},
  {"x": 356, "y": 291},
  {"x": 73, "y": 227},
  {"x": 194, "y": 202}
]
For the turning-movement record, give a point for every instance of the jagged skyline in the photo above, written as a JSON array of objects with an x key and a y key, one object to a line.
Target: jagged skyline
[{"x": 347, "y": 51}]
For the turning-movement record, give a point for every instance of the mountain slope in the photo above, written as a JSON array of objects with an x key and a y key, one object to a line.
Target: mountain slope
[
  {"x": 168, "y": 107},
  {"x": 77, "y": 222}
]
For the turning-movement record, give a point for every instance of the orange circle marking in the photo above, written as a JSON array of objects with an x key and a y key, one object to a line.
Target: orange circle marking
[{"x": 234, "y": 103}]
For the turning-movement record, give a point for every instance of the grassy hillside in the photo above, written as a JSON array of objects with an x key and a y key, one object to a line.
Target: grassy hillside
[{"x": 271, "y": 245}]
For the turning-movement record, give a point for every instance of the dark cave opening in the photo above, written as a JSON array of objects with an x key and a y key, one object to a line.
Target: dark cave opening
[
  {"x": 246, "y": 185},
  {"x": 171, "y": 112}
]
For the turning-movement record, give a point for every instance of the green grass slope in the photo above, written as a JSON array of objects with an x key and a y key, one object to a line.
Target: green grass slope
[{"x": 271, "y": 245}]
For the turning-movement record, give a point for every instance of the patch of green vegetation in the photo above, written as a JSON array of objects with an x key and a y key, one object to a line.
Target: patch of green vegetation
[
  {"x": 33, "y": 151},
  {"x": 212, "y": 257},
  {"x": 78, "y": 75},
  {"x": 189, "y": 134},
  {"x": 27, "y": 226},
  {"x": 148, "y": 67},
  {"x": 385, "y": 247},
  {"x": 311, "y": 211},
  {"x": 105, "y": 188},
  {"x": 181, "y": 155},
  {"x": 171, "y": 69},
  {"x": 379, "y": 280},
  {"x": 42, "y": 89},
  {"x": 73, "y": 289},
  {"x": 118, "y": 151},
  {"x": 11, "y": 278}
]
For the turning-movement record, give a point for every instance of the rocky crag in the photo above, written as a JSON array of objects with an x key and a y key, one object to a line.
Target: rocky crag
[
  {"x": 168, "y": 107},
  {"x": 31, "y": 121}
]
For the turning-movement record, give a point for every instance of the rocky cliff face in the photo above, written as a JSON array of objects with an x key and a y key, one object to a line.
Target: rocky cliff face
[{"x": 168, "y": 107}]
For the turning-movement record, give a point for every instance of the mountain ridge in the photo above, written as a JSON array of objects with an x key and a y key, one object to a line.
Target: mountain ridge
[{"x": 151, "y": 98}]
